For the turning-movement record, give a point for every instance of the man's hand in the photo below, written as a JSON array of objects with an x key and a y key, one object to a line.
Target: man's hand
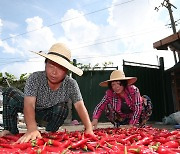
[
  {"x": 89, "y": 132},
  {"x": 29, "y": 135},
  {"x": 4, "y": 133}
]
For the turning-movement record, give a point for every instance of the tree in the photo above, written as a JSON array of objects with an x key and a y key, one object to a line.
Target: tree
[
  {"x": 96, "y": 66},
  {"x": 23, "y": 77}
]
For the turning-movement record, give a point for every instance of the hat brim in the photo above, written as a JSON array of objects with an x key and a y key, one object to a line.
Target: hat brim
[
  {"x": 61, "y": 61},
  {"x": 130, "y": 81}
]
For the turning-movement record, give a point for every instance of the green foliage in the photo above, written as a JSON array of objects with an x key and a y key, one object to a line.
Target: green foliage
[
  {"x": 10, "y": 77},
  {"x": 96, "y": 66},
  {"x": 106, "y": 64},
  {"x": 10, "y": 80},
  {"x": 1, "y": 77},
  {"x": 23, "y": 77}
]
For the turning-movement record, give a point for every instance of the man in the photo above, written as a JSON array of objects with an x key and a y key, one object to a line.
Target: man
[{"x": 45, "y": 97}]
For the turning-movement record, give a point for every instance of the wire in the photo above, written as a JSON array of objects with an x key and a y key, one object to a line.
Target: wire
[{"x": 115, "y": 5}]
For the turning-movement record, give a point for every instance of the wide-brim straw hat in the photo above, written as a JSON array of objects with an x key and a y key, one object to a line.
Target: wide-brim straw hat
[
  {"x": 116, "y": 76},
  {"x": 61, "y": 55}
]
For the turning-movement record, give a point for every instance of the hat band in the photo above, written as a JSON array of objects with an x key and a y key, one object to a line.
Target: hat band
[{"x": 57, "y": 54}]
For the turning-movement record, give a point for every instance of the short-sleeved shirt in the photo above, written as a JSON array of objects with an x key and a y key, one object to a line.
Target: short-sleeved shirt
[{"x": 37, "y": 85}]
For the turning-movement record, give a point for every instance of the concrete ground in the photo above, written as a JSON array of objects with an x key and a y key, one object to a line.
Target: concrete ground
[
  {"x": 70, "y": 127},
  {"x": 80, "y": 127}
]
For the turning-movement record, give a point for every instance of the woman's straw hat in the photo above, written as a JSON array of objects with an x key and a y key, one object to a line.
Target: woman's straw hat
[
  {"x": 60, "y": 54},
  {"x": 118, "y": 75}
]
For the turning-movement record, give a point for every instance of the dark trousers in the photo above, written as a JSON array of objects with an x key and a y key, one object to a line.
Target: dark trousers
[{"x": 13, "y": 102}]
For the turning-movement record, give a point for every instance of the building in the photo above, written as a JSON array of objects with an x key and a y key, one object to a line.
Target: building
[{"x": 173, "y": 43}]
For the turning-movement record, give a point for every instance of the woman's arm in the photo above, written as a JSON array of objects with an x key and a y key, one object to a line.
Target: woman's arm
[
  {"x": 137, "y": 107},
  {"x": 100, "y": 107}
]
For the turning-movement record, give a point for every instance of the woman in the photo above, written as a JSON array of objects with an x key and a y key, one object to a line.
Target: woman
[{"x": 122, "y": 103}]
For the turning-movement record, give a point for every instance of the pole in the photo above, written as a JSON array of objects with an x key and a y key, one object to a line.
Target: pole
[{"x": 168, "y": 6}]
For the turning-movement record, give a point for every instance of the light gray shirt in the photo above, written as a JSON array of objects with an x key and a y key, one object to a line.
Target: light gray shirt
[{"x": 37, "y": 85}]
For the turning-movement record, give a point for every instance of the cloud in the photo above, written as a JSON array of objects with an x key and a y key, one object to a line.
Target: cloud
[
  {"x": 129, "y": 34},
  {"x": 37, "y": 38},
  {"x": 79, "y": 28},
  {"x": 18, "y": 68},
  {"x": 124, "y": 34},
  {"x": 7, "y": 48},
  {"x": 139, "y": 27},
  {"x": 1, "y": 24}
]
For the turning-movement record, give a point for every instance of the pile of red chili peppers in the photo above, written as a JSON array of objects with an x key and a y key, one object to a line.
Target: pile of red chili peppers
[{"x": 134, "y": 140}]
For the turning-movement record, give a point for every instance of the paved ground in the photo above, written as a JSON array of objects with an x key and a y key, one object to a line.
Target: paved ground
[
  {"x": 159, "y": 125},
  {"x": 70, "y": 127}
]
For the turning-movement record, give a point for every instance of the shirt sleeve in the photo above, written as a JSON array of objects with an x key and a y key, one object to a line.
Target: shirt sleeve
[
  {"x": 75, "y": 95},
  {"x": 137, "y": 107},
  {"x": 31, "y": 86},
  {"x": 100, "y": 107}
]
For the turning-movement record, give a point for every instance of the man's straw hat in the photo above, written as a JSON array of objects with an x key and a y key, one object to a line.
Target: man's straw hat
[
  {"x": 118, "y": 75},
  {"x": 60, "y": 54}
]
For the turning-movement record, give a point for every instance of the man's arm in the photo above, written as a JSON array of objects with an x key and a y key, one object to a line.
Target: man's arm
[
  {"x": 29, "y": 116},
  {"x": 84, "y": 116},
  {"x": 29, "y": 113}
]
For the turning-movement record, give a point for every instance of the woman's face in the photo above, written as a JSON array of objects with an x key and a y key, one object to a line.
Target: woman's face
[
  {"x": 55, "y": 72},
  {"x": 117, "y": 87}
]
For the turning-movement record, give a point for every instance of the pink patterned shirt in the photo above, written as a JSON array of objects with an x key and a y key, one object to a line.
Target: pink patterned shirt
[{"x": 132, "y": 98}]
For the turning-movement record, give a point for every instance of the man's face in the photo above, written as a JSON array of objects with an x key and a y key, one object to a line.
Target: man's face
[{"x": 55, "y": 72}]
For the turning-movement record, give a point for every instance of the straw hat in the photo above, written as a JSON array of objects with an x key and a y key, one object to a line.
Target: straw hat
[
  {"x": 118, "y": 75},
  {"x": 60, "y": 54}
]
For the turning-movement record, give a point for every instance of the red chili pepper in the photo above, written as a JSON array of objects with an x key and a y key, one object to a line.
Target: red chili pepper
[
  {"x": 66, "y": 136},
  {"x": 11, "y": 137},
  {"x": 2, "y": 140},
  {"x": 29, "y": 150},
  {"x": 6, "y": 145},
  {"x": 37, "y": 142},
  {"x": 41, "y": 149},
  {"x": 144, "y": 141},
  {"x": 164, "y": 150},
  {"x": 175, "y": 150},
  {"x": 90, "y": 147},
  {"x": 77, "y": 134},
  {"x": 172, "y": 137},
  {"x": 175, "y": 132},
  {"x": 59, "y": 137},
  {"x": 84, "y": 147},
  {"x": 9, "y": 151},
  {"x": 101, "y": 142},
  {"x": 52, "y": 142},
  {"x": 66, "y": 143},
  {"x": 54, "y": 149},
  {"x": 78, "y": 143},
  {"x": 91, "y": 137},
  {"x": 107, "y": 149},
  {"x": 129, "y": 138},
  {"x": 171, "y": 144},
  {"x": 32, "y": 143},
  {"x": 23, "y": 146},
  {"x": 161, "y": 140}
]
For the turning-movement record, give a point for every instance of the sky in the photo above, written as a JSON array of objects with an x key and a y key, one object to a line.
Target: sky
[{"x": 96, "y": 31}]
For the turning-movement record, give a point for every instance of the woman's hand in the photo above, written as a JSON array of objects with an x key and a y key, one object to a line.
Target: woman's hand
[
  {"x": 94, "y": 123},
  {"x": 29, "y": 135}
]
